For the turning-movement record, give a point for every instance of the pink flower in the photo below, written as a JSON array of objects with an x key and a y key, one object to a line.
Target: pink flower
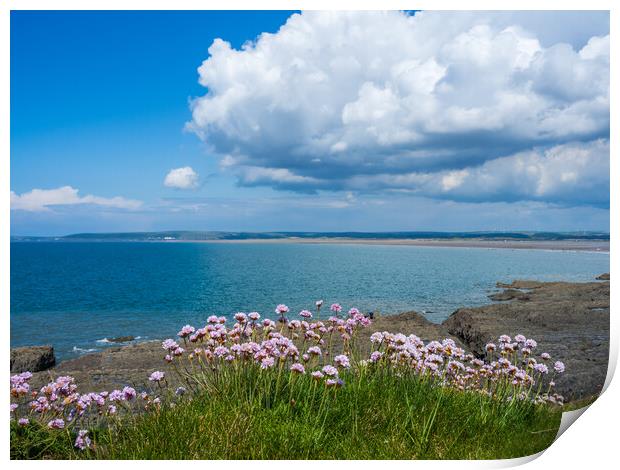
[
  {"x": 186, "y": 331},
  {"x": 129, "y": 393},
  {"x": 305, "y": 314},
  {"x": 545, "y": 356},
  {"x": 267, "y": 362},
  {"x": 169, "y": 344},
  {"x": 157, "y": 376},
  {"x": 298, "y": 368},
  {"x": 342, "y": 361},
  {"x": 56, "y": 424},
  {"x": 317, "y": 375},
  {"x": 241, "y": 317},
  {"x": 375, "y": 356},
  {"x": 336, "y": 308},
  {"x": 330, "y": 370},
  {"x": 254, "y": 316},
  {"x": 559, "y": 367},
  {"x": 82, "y": 440},
  {"x": 23, "y": 421},
  {"x": 282, "y": 309},
  {"x": 541, "y": 368},
  {"x": 314, "y": 350},
  {"x": 354, "y": 311}
]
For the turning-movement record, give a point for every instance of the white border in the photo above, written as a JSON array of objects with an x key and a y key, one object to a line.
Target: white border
[{"x": 591, "y": 443}]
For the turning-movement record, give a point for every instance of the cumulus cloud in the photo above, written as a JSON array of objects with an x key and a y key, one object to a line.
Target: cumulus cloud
[
  {"x": 433, "y": 103},
  {"x": 40, "y": 200},
  {"x": 182, "y": 178}
]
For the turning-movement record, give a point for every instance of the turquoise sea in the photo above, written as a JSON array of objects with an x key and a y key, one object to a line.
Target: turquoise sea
[{"x": 74, "y": 295}]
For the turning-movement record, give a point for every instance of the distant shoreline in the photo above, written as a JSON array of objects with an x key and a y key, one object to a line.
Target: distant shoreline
[
  {"x": 597, "y": 246},
  {"x": 562, "y": 245}
]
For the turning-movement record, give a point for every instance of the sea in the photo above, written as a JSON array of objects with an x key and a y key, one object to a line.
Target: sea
[{"x": 76, "y": 296}]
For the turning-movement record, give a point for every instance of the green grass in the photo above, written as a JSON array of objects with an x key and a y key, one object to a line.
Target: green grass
[{"x": 256, "y": 415}]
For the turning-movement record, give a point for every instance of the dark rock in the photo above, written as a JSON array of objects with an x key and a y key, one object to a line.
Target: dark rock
[
  {"x": 603, "y": 277},
  {"x": 121, "y": 339},
  {"x": 510, "y": 294},
  {"x": 32, "y": 358},
  {"x": 570, "y": 321}
]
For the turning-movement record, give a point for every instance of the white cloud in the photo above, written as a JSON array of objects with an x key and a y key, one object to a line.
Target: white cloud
[
  {"x": 181, "y": 178},
  {"x": 563, "y": 174},
  {"x": 334, "y": 98},
  {"x": 39, "y": 200}
]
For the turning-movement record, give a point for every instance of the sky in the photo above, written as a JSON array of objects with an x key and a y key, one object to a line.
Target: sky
[{"x": 313, "y": 121}]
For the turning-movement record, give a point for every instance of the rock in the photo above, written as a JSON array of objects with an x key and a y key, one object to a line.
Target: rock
[
  {"x": 570, "y": 321},
  {"x": 603, "y": 277},
  {"x": 121, "y": 339},
  {"x": 510, "y": 294},
  {"x": 32, "y": 358}
]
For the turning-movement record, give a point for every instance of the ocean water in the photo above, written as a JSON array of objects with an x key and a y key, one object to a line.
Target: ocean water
[{"x": 74, "y": 295}]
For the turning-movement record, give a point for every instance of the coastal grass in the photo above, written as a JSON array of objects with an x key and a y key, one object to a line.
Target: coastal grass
[{"x": 372, "y": 416}]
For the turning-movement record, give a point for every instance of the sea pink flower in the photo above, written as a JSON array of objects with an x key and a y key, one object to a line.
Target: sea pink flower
[
  {"x": 23, "y": 421},
  {"x": 157, "y": 376},
  {"x": 531, "y": 344},
  {"x": 129, "y": 393},
  {"x": 213, "y": 319},
  {"x": 490, "y": 347},
  {"x": 330, "y": 370},
  {"x": 82, "y": 441},
  {"x": 56, "y": 424},
  {"x": 305, "y": 314},
  {"x": 559, "y": 367},
  {"x": 317, "y": 374},
  {"x": 116, "y": 395},
  {"x": 505, "y": 339},
  {"x": 169, "y": 344},
  {"x": 267, "y": 362},
  {"x": 376, "y": 337},
  {"x": 545, "y": 356},
  {"x": 353, "y": 311},
  {"x": 298, "y": 368},
  {"x": 282, "y": 309},
  {"x": 342, "y": 361},
  {"x": 186, "y": 331},
  {"x": 336, "y": 308},
  {"x": 375, "y": 356},
  {"x": 520, "y": 339},
  {"x": 254, "y": 316},
  {"x": 241, "y": 317},
  {"x": 543, "y": 369},
  {"x": 314, "y": 350},
  {"x": 14, "y": 407}
]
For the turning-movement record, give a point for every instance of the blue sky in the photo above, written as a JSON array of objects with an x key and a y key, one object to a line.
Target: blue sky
[{"x": 332, "y": 121}]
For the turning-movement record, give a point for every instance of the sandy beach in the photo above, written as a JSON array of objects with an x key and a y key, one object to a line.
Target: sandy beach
[{"x": 565, "y": 245}]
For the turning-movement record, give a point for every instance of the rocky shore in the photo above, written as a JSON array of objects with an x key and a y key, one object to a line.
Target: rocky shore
[{"x": 569, "y": 320}]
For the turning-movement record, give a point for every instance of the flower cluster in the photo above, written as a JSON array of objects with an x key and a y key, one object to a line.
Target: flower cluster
[
  {"x": 509, "y": 370},
  {"x": 320, "y": 352}
]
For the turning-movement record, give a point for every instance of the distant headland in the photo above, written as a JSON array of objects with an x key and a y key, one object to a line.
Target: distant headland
[{"x": 583, "y": 241}]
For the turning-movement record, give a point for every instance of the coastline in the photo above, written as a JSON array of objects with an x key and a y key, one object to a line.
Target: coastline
[{"x": 594, "y": 246}]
